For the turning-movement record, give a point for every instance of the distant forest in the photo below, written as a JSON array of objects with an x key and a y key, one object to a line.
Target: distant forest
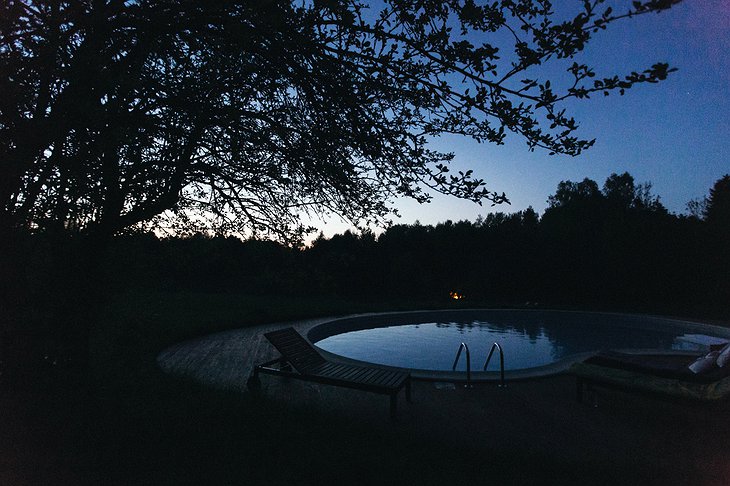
[{"x": 609, "y": 247}]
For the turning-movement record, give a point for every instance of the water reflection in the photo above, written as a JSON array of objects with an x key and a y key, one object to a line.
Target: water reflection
[{"x": 529, "y": 339}]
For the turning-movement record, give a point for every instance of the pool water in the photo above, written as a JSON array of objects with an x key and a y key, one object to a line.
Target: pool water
[{"x": 529, "y": 339}]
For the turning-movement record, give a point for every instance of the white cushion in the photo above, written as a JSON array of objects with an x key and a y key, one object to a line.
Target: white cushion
[
  {"x": 704, "y": 363},
  {"x": 724, "y": 357}
]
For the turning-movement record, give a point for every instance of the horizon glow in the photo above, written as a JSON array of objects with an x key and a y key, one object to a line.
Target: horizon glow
[{"x": 673, "y": 135}]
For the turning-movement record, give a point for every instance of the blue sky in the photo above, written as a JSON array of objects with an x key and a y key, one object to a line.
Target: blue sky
[{"x": 674, "y": 134}]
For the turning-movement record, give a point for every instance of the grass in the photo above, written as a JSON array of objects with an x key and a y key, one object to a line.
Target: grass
[
  {"x": 128, "y": 423},
  {"x": 131, "y": 424}
]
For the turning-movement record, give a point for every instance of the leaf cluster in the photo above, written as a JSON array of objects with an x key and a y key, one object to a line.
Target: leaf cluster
[{"x": 245, "y": 116}]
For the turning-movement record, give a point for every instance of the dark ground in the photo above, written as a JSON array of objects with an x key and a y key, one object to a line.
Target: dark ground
[
  {"x": 530, "y": 433},
  {"x": 129, "y": 423}
]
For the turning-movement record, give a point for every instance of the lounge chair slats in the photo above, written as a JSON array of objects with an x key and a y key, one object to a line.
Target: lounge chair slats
[
  {"x": 664, "y": 374},
  {"x": 298, "y": 352},
  {"x": 310, "y": 365},
  {"x": 326, "y": 368},
  {"x": 381, "y": 378},
  {"x": 391, "y": 380},
  {"x": 369, "y": 374}
]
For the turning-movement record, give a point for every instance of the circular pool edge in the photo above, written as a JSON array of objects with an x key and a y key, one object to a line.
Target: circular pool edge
[{"x": 355, "y": 322}]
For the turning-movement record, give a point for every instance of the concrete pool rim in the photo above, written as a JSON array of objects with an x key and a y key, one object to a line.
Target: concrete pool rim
[{"x": 349, "y": 323}]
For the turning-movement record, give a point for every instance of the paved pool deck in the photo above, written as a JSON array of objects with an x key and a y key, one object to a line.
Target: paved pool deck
[{"x": 629, "y": 438}]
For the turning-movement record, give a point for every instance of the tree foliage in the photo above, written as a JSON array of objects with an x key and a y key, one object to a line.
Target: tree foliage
[
  {"x": 592, "y": 253},
  {"x": 717, "y": 209},
  {"x": 244, "y": 115}
]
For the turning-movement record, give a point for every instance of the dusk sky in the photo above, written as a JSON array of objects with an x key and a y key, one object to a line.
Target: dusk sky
[{"x": 674, "y": 134}]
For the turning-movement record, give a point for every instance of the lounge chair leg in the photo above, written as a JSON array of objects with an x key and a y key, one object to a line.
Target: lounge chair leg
[
  {"x": 393, "y": 405},
  {"x": 408, "y": 390}
]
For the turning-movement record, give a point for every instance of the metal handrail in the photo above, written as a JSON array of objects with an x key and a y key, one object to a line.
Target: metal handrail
[
  {"x": 501, "y": 362},
  {"x": 468, "y": 363}
]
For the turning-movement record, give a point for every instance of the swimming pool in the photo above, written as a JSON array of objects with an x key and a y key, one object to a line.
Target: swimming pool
[{"x": 534, "y": 341}]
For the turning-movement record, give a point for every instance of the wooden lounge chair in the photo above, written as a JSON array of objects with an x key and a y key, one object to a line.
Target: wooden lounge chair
[
  {"x": 664, "y": 374},
  {"x": 309, "y": 365}
]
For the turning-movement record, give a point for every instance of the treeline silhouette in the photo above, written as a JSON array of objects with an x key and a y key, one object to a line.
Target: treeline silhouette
[{"x": 614, "y": 247}]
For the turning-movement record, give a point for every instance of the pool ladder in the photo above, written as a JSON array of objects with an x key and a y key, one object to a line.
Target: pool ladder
[{"x": 464, "y": 347}]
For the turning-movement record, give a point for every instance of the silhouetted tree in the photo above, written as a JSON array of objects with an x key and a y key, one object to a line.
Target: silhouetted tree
[
  {"x": 717, "y": 210},
  {"x": 697, "y": 208},
  {"x": 239, "y": 116},
  {"x": 248, "y": 113},
  {"x": 342, "y": 265},
  {"x": 717, "y": 242},
  {"x": 602, "y": 245},
  {"x": 620, "y": 190},
  {"x": 598, "y": 251},
  {"x": 572, "y": 222},
  {"x": 574, "y": 194}
]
